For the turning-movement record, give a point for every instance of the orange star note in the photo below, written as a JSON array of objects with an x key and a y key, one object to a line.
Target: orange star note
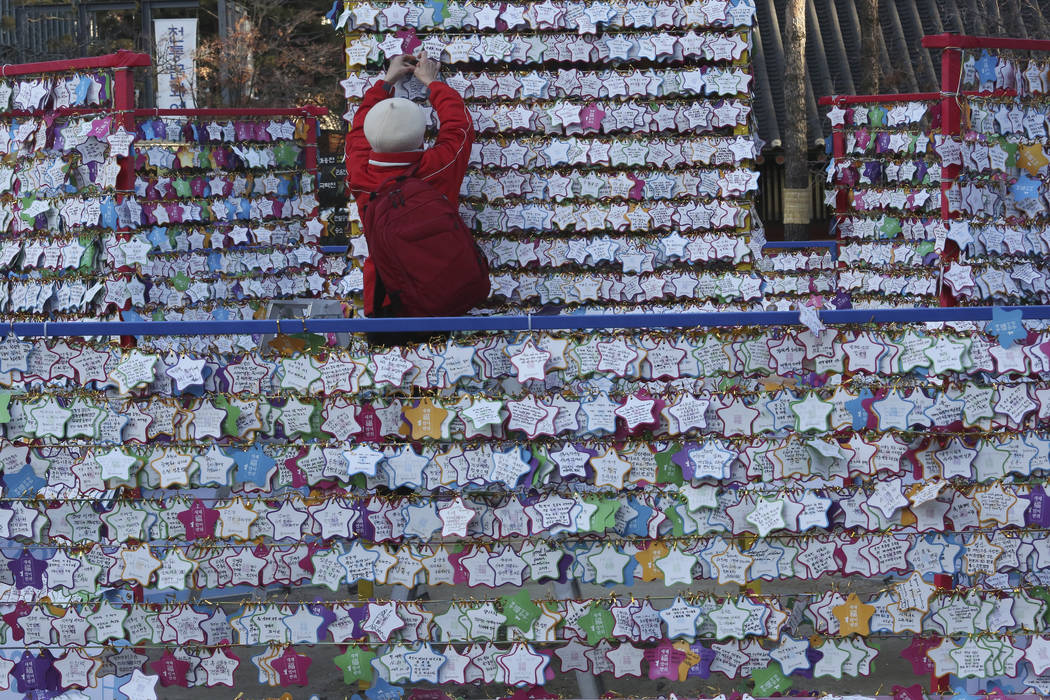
[
  {"x": 426, "y": 419},
  {"x": 691, "y": 659},
  {"x": 854, "y": 616},
  {"x": 1032, "y": 158},
  {"x": 648, "y": 557}
]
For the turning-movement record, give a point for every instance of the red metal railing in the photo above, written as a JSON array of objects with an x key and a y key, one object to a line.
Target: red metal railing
[{"x": 952, "y": 47}]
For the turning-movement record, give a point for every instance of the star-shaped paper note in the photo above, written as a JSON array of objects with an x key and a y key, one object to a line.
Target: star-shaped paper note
[
  {"x": 913, "y": 593},
  {"x": 530, "y": 362},
  {"x": 637, "y": 411},
  {"x": 854, "y": 616},
  {"x": 140, "y": 686},
  {"x": 1006, "y": 326},
  {"x": 455, "y": 518},
  {"x": 769, "y": 681},
  {"x": 767, "y": 516},
  {"x": 356, "y": 664}
]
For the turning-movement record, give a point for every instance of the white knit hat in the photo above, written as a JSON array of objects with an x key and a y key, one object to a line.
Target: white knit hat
[{"x": 395, "y": 125}]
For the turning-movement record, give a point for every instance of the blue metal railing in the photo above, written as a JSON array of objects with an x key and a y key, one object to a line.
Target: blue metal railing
[
  {"x": 507, "y": 323},
  {"x": 833, "y": 246}
]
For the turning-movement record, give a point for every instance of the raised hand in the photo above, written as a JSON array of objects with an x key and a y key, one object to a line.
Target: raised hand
[
  {"x": 400, "y": 68},
  {"x": 427, "y": 69}
]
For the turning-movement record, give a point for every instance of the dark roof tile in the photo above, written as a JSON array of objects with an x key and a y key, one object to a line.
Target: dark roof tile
[{"x": 833, "y": 50}]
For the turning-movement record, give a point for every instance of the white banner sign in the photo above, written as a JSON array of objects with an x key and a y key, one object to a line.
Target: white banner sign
[{"x": 176, "y": 41}]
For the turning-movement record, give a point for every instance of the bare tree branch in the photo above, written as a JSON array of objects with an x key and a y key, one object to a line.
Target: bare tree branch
[{"x": 275, "y": 56}]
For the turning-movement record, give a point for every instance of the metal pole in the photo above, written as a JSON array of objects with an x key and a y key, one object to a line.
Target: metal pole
[
  {"x": 223, "y": 20},
  {"x": 150, "y": 96},
  {"x": 951, "y": 121},
  {"x": 82, "y": 28}
]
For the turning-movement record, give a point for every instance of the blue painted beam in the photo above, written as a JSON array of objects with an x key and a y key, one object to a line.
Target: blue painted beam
[
  {"x": 830, "y": 245},
  {"x": 506, "y": 323}
]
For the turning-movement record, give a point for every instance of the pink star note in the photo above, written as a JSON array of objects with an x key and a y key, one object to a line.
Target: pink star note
[
  {"x": 637, "y": 189},
  {"x": 591, "y": 117},
  {"x": 100, "y": 128},
  {"x": 199, "y": 520},
  {"x": 291, "y": 667},
  {"x": 664, "y": 660}
]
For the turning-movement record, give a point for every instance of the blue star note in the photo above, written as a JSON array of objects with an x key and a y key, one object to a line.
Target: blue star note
[
  {"x": 1006, "y": 326},
  {"x": 638, "y": 525},
  {"x": 131, "y": 316},
  {"x": 214, "y": 261},
  {"x": 985, "y": 66},
  {"x": 253, "y": 465},
  {"x": 628, "y": 572},
  {"x": 958, "y": 686},
  {"x": 440, "y": 8},
  {"x": 381, "y": 690},
  {"x": 284, "y": 187},
  {"x": 109, "y": 213},
  {"x": 1025, "y": 188},
  {"x": 221, "y": 313},
  {"x": 198, "y": 389},
  {"x": 857, "y": 410},
  {"x": 83, "y": 87},
  {"x": 233, "y": 205},
  {"x": 23, "y": 482},
  {"x": 158, "y": 236}
]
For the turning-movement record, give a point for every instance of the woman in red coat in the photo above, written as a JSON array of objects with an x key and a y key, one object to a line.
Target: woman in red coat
[{"x": 386, "y": 140}]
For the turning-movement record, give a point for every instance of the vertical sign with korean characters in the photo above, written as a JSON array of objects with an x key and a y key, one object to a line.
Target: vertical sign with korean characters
[{"x": 176, "y": 42}]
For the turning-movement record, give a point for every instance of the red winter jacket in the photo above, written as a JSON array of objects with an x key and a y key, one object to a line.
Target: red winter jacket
[{"x": 443, "y": 165}]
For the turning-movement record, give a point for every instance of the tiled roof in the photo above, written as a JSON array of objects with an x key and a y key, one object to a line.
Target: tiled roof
[{"x": 833, "y": 34}]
